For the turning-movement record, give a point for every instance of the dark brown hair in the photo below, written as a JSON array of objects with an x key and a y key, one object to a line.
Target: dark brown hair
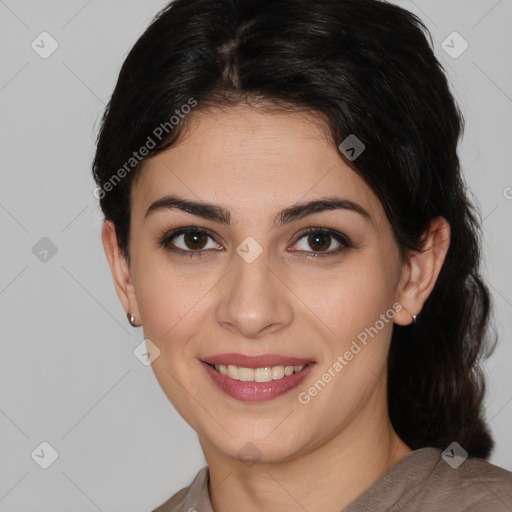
[{"x": 369, "y": 69}]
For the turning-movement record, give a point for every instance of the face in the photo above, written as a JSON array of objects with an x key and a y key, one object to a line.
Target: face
[{"x": 305, "y": 286}]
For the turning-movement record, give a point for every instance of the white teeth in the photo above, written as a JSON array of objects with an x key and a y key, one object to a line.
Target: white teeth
[
  {"x": 245, "y": 374},
  {"x": 277, "y": 372},
  {"x": 266, "y": 374},
  {"x": 232, "y": 371}
]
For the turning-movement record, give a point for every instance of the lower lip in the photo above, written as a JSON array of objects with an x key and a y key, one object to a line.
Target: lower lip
[{"x": 256, "y": 391}]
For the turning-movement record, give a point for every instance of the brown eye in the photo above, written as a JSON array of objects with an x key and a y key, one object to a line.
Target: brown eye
[
  {"x": 319, "y": 241},
  {"x": 190, "y": 241},
  {"x": 322, "y": 242},
  {"x": 195, "y": 240}
]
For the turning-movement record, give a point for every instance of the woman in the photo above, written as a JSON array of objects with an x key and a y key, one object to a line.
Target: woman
[{"x": 286, "y": 218}]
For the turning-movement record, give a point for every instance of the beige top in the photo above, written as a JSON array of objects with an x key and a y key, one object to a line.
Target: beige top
[{"x": 420, "y": 482}]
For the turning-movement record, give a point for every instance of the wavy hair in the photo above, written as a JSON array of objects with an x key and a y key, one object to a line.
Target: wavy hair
[{"x": 369, "y": 69}]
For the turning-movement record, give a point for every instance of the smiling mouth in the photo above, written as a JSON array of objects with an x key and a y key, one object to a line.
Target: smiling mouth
[{"x": 264, "y": 374}]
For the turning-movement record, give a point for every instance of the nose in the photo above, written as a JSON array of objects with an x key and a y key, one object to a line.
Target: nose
[{"x": 254, "y": 300}]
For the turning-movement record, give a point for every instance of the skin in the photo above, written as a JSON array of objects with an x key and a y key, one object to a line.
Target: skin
[{"x": 323, "y": 454}]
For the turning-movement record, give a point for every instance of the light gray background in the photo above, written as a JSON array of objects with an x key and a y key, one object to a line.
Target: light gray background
[{"x": 68, "y": 375}]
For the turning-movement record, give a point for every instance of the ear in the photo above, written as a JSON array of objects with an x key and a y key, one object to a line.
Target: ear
[
  {"x": 420, "y": 273},
  {"x": 120, "y": 270}
]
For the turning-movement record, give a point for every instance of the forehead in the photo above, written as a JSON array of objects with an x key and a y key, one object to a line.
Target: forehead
[{"x": 253, "y": 160}]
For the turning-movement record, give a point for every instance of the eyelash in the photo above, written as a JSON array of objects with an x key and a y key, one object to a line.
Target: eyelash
[{"x": 166, "y": 237}]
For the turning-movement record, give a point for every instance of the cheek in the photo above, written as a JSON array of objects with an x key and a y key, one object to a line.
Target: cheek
[
  {"x": 350, "y": 299},
  {"x": 357, "y": 306},
  {"x": 168, "y": 303},
  {"x": 170, "y": 308}
]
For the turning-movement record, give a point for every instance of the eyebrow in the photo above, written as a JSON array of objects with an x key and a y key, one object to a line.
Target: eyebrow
[{"x": 223, "y": 216}]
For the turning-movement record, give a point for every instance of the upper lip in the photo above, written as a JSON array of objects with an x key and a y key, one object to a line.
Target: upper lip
[{"x": 264, "y": 360}]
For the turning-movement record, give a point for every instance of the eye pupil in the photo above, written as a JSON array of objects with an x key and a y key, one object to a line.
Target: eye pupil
[
  {"x": 194, "y": 239},
  {"x": 319, "y": 240}
]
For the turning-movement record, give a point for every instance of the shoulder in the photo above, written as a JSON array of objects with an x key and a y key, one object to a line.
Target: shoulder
[
  {"x": 188, "y": 498},
  {"x": 473, "y": 484},
  {"x": 430, "y": 480}
]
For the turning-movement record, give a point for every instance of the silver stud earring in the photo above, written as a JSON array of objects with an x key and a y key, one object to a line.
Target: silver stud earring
[
  {"x": 131, "y": 320},
  {"x": 413, "y": 316}
]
